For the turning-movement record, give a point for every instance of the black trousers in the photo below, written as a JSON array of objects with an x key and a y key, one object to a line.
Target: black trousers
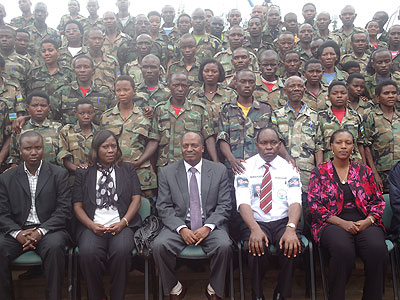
[
  {"x": 258, "y": 265},
  {"x": 51, "y": 248},
  {"x": 96, "y": 253},
  {"x": 343, "y": 248}
]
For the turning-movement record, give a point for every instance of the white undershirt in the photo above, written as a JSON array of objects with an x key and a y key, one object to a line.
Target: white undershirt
[
  {"x": 124, "y": 20},
  {"x": 106, "y": 216},
  {"x": 74, "y": 51}
]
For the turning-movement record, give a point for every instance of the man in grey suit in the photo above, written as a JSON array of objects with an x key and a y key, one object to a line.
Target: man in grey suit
[{"x": 194, "y": 204}]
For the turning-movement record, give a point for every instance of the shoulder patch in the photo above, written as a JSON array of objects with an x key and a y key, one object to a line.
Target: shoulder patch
[{"x": 273, "y": 120}]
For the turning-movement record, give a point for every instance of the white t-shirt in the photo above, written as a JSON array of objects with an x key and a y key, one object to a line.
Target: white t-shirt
[{"x": 74, "y": 51}]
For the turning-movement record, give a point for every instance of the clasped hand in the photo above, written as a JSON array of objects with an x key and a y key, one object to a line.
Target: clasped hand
[{"x": 194, "y": 237}]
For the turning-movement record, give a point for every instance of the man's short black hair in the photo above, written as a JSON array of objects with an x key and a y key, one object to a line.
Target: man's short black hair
[{"x": 37, "y": 93}]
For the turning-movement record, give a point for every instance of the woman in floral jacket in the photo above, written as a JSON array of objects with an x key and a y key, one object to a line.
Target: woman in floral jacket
[{"x": 346, "y": 208}]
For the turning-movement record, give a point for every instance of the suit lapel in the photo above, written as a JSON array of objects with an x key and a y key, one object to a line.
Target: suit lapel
[
  {"x": 181, "y": 178},
  {"x": 92, "y": 178},
  {"x": 205, "y": 184},
  {"x": 44, "y": 176},
  {"x": 23, "y": 181}
]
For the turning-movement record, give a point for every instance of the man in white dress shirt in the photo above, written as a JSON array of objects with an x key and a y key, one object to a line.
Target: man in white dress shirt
[{"x": 273, "y": 218}]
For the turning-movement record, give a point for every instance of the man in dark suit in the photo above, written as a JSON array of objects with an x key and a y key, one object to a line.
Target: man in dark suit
[
  {"x": 35, "y": 206},
  {"x": 194, "y": 205}
]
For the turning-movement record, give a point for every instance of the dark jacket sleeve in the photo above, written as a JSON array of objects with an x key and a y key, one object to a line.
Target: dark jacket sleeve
[
  {"x": 62, "y": 214},
  {"x": 7, "y": 223},
  {"x": 394, "y": 183}
]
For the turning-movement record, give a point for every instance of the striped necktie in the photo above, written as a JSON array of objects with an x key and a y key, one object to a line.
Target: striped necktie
[{"x": 266, "y": 190}]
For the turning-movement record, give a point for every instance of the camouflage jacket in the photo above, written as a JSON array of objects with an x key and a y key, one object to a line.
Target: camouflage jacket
[
  {"x": 225, "y": 58},
  {"x": 192, "y": 74},
  {"x": 318, "y": 103},
  {"x": 65, "y": 58},
  {"x": 340, "y": 75},
  {"x": 66, "y": 18},
  {"x": 222, "y": 95},
  {"x": 39, "y": 78},
  {"x": 383, "y": 138},
  {"x": 5, "y": 124},
  {"x": 207, "y": 47},
  {"x": 133, "y": 69},
  {"x": 16, "y": 69},
  {"x": 88, "y": 24},
  {"x": 106, "y": 71},
  {"x": 20, "y": 22},
  {"x": 111, "y": 48},
  {"x": 128, "y": 28},
  {"x": 10, "y": 93},
  {"x": 37, "y": 38},
  {"x": 74, "y": 145},
  {"x": 127, "y": 52},
  {"x": 64, "y": 99},
  {"x": 159, "y": 94},
  {"x": 363, "y": 61},
  {"x": 133, "y": 134},
  {"x": 396, "y": 62},
  {"x": 240, "y": 132},
  {"x": 364, "y": 108},
  {"x": 345, "y": 38},
  {"x": 168, "y": 128},
  {"x": 48, "y": 130},
  {"x": 329, "y": 123},
  {"x": 302, "y": 138},
  {"x": 371, "y": 83},
  {"x": 276, "y": 98}
]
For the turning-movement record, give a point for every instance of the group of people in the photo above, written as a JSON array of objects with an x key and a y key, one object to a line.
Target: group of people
[{"x": 230, "y": 134}]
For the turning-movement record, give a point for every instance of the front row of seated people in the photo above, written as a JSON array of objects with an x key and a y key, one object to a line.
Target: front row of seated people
[{"x": 194, "y": 204}]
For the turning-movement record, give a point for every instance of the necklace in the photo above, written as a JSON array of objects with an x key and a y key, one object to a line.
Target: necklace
[{"x": 344, "y": 181}]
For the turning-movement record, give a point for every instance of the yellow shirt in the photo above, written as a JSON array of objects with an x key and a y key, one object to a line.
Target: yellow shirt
[{"x": 244, "y": 109}]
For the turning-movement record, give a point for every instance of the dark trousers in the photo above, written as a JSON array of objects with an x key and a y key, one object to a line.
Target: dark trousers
[
  {"x": 168, "y": 244},
  {"x": 343, "y": 248},
  {"x": 258, "y": 265},
  {"x": 96, "y": 253},
  {"x": 51, "y": 249}
]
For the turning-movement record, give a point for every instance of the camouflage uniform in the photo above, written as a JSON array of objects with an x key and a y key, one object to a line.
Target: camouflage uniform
[
  {"x": 16, "y": 69},
  {"x": 371, "y": 48},
  {"x": 340, "y": 75},
  {"x": 240, "y": 132},
  {"x": 153, "y": 97},
  {"x": 332, "y": 36},
  {"x": 48, "y": 130},
  {"x": 329, "y": 124},
  {"x": 371, "y": 83},
  {"x": 66, "y": 18},
  {"x": 133, "y": 69},
  {"x": 276, "y": 98},
  {"x": 64, "y": 99},
  {"x": 363, "y": 61},
  {"x": 127, "y": 52},
  {"x": 167, "y": 52},
  {"x": 133, "y": 134},
  {"x": 5, "y": 125},
  {"x": 304, "y": 57},
  {"x": 106, "y": 71},
  {"x": 129, "y": 28},
  {"x": 39, "y": 78},
  {"x": 302, "y": 138},
  {"x": 346, "y": 38},
  {"x": 317, "y": 103},
  {"x": 168, "y": 129},
  {"x": 383, "y": 138},
  {"x": 269, "y": 36},
  {"x": 255, "y": 49},
  {"x": 396, "y": 63},
  {"x": 207, "y": 47},
  {"x": 111, "y": 48},
  {"x": 37, "y": 38},
  {"x": 225, "y": 58},
  {"x": 192, "y": 75},
  {"x": 20, "y": 22},
  {"x": 65, "y": 58},
  {"x": 10, "y": 94},
  {"x": 222, "y": 95},
  {"x": 88, "y": 24},
  {"x": 364, "y": 108},
  {"x": 74, "y": 145}
]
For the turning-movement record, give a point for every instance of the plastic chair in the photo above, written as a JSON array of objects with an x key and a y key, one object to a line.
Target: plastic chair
[
  {"x": 31, "y": 259},
  {"x": 144, "y": 211},
  {"x": 386, "y": 220},
  {"x": 308, "y": 247},
  {"x": 193, "y": 252}
]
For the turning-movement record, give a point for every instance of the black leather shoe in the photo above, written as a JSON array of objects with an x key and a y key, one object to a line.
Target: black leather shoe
[{"x": 278, "y": 296}]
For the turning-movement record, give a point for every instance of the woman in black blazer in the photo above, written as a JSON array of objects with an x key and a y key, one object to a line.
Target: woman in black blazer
[{"x": 106, "y": 201}]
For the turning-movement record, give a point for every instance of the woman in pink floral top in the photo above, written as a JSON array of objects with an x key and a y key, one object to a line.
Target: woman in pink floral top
[{"x": 346, "y": 208}]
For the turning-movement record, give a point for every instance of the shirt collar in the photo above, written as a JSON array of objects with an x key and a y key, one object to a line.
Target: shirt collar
[
  {"x": 37, "y": 171},
  {"x": 260, "y": 162},
  {"x": 197, "y": 167}
]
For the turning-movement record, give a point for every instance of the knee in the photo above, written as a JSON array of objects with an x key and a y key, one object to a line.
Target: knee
[
  {"x": 158, "y": 246},
  {"x": 224, "y": 246},
  {"x": 343, "y": 251}
]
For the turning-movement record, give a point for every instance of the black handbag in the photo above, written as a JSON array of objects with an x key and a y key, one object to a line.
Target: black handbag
[{"x": 145, "y": 234}]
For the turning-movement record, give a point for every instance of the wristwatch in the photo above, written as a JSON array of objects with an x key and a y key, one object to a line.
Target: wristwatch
[{"x": 291, "y": 225}]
